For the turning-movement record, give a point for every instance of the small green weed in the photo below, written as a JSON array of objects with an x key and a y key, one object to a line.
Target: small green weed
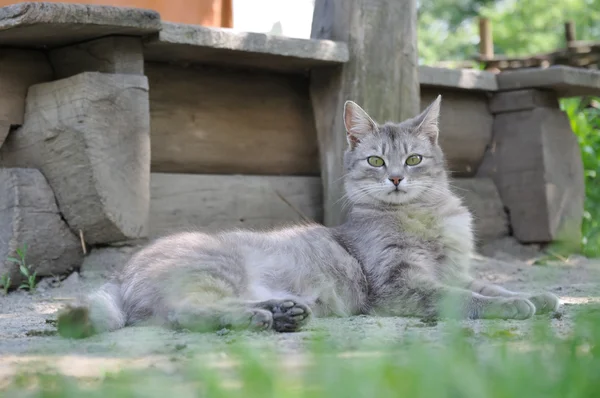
[
  {"x": 6, "y": 282},
  {"x": 24, "y": 269}
]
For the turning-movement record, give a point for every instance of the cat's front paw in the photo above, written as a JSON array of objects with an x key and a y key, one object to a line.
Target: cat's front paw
[
  {"x": 545, "y": 302},
  {"x": 510, "y": 308},
  {"x": 289, "y": 315}
]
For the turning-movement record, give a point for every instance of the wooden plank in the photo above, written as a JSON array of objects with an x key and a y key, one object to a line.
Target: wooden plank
[
  {"x": 4, "y": 130},
  {"x": 465, "y": 128},
  {"x": 381, "y": 76},
  {"x": 19, "y": 69},
  {"x": 217, "y": 202},
  {"x": 481, "y": 197},
  {"x": 41, "y": 25},
  {"x": 185, "y": 44},
  {"x": 520, "y": 100},
  {"x": 565, "y": 80},
  {"x": 218, "y": 121},
  {"x": 460, "y": 79},
  {"x": 89, "y": 136},
  {"x": 113, "y": 54}
]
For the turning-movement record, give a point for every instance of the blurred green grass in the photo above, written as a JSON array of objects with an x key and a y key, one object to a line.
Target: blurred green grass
[
  {"x": 584, "y": 115},
  {"x": 542, "y": 365}
]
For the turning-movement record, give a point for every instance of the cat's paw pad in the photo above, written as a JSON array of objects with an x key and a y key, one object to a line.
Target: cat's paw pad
[
  {"x": 511, "y": 308},
  {"x": 289, "y": 315},
  {"x": 545, "y": 302}
]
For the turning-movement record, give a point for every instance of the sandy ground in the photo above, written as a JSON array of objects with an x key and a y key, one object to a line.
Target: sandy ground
[{"x": 28, "y": 338}]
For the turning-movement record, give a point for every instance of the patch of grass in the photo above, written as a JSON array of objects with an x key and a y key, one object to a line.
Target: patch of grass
[
  {"x": 584, "y": 115},
  {"x": 6, "y": 283},
  {"x": 543, "y": 366},
  {"x": 24, "y": 269}
]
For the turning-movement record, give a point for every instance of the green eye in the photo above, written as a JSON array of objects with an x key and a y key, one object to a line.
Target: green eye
[
  {"x": 375, "y": 161},
  {"x": 414, "y": 160}
]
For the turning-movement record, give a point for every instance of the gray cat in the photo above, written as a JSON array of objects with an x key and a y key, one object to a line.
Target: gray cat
[{"x": 403, "y": 251}]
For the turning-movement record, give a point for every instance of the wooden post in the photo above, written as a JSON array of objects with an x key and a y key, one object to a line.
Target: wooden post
[
  {"x": 569, "y": 33},
  {"x": 381, "y": 76},
  {"x": 486, "y": 41}
]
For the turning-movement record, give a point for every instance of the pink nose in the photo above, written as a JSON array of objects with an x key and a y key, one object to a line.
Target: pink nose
[{"x": 396, "y": 180}]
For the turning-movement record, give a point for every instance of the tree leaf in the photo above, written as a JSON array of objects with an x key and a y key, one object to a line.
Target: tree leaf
[
  {"x": 13, "y": 260},
  {"x": 24, "y": 270}
]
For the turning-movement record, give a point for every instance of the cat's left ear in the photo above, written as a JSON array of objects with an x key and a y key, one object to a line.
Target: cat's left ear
[{"x": 426, "y": 124}]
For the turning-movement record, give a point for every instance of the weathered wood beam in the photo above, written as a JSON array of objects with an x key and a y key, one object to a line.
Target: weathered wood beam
[
  {"x": 381, "y": 76},
  {"x": 112, "y": 54}
]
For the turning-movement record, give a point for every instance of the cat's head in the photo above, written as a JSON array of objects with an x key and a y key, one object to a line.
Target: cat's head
[{"x": 392, "y": 163}]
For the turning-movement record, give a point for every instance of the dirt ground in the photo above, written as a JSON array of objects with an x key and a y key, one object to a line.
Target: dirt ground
[{"x": 28, "y": 338}]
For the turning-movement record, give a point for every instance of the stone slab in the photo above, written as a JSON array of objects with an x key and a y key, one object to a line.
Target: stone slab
[
  {"x": 29, "y": 216},
  {"x": 209, "y": 202},
  {"x": 194, "y": 44},
  {"x": 43, "y": 25},
  {"x": 462, "y": 79},
  {"x": 566, "y": 81},
  {"x": 90, "y": 136}
]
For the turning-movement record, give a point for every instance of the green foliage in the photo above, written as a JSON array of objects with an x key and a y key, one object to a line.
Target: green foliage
[
  {"x": 448, "y": 30},
  {"x": 24, "y": 269},
  {"x": 543, "y": 366},
  {"x": 584, "y": 114},
  {"x": 6, "y": 283}
]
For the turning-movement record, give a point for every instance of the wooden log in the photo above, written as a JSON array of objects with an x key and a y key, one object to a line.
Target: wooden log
[
  {"x": 49, "y": 25},
  {"x": 535, "y": 161},
  {"x": 381, "y": 76},
  {"x": 114, "y": 54},
  {"x": 218, "y": 202},
  {"x": 89, "y": 136},
  {"x": 569, "y": 33},
  {"x": 29, "y": 216},
  {"x": 465, "y": 128},
  {"x": 486, "y": 41},
  {"x": 218, "y": 121},
  {"x": 19, "y": 69},
  {"x": 481, "y": 196}
]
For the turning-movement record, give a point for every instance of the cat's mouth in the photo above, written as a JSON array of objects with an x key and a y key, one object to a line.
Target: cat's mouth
[{"x": 397, "y": 191}]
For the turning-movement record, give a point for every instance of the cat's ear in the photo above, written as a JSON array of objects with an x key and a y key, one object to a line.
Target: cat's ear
[
  {"x": 426, "y": 124},
  {"x": 358, "y": 123}
]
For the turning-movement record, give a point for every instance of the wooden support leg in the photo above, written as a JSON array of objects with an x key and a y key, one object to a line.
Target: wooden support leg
[
  {"x": 536, "y": 164},
  {"x": 89, "y": 135},
  {"x": 381, "y": 77}
]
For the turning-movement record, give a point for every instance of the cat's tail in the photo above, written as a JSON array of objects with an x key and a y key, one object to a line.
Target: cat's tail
[{"x": 102, "y": 311}]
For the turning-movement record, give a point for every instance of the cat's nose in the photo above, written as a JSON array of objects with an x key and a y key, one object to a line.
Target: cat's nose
[{"x": 396, "y": 180}]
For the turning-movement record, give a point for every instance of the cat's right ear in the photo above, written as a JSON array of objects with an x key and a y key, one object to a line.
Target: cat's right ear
[{"x": 358, "y": 123}]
